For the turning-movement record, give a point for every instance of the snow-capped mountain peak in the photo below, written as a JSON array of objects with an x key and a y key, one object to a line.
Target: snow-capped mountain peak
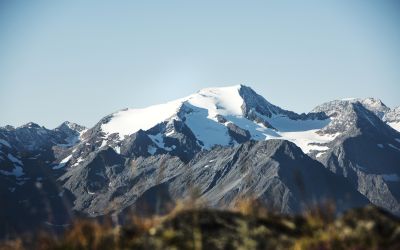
[
  {"x": 222, "y": 101},
  {"x": 221, "y": 116}
]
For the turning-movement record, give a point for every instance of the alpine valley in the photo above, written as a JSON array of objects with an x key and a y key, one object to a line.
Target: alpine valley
[{"x": 222, "y": 144}]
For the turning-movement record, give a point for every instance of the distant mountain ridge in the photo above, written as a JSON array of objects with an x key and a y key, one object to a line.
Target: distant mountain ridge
[{"x": 226, "y": 142}]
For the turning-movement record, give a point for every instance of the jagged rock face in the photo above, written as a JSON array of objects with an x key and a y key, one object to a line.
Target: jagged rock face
[
  {"x": 258, "y": 103},
  {"x": 30, "y": 151},
  {"x": 30, "y": 194},
  {"x": 70, "y": 131},
  {"x": 223, "y": 143},
  {"x": 380, "y": 110},
  {"x": 374, "y": 105},
  {"x": 367, "y": 153},
  {"x": 392, "y": 118},
  {"x": 254, "y": 103},
  {"x": 392, "y": 115},
  {"x": 31, "y": 137},
  {"x": 276, "y": 172},
  {"x": 110, "y": 182}
]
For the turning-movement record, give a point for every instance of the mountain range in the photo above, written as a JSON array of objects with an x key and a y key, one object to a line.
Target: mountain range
[{"x": 219, "y": 144}]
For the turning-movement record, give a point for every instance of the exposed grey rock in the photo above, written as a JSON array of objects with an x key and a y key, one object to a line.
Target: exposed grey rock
[
  {"x": 238, "y": 134},
  {"x": 137, "y": 145},
  {"x": 256, "y": 104},
  {"x": 31, "y": 197},
  {"x": 276, "y": 172},
  {"x": 392, "y": 115},
  {"x": 365, "y": 152}
]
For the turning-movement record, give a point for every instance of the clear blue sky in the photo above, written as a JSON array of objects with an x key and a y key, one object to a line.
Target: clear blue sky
[{"x": 81, "y": 60}]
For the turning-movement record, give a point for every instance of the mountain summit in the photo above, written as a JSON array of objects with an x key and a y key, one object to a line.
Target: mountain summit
[{"x": 218, "y": 116}]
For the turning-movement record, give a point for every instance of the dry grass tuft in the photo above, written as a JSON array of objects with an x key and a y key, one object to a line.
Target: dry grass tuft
[{"x": 249, "y": 226}]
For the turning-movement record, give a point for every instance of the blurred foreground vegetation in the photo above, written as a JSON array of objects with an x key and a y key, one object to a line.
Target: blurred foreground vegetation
[{"x": 249, "y": 226}]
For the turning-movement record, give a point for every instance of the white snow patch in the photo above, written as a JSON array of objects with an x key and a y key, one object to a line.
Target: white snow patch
[
  {"x": 79, "y": 160},
  {"x": 380, "y": 145},
  {"x": 127, "y": 122},
  {"x": 304, "y": 139},
  {"x": 117, "y": 149},
  {"x": 301, "y": 132},
  {"x": 63, "y": 162},
  {"x": 395, "y": 125},
  {"x": 66, "y": 159},
  {"x": 223, "y": 101},
  {"x": 103, "y": 143},
  {"x": 170, "y": 133},
  {"x": 397, "y": 139},
  {"x": 207, "y": 130}
]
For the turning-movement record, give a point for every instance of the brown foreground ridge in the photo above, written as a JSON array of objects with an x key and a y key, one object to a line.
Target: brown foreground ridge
[{"x": 363, "y": 228}]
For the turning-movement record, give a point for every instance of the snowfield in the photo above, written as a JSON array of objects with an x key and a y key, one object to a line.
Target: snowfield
[
  {"x": 395, "y": 125},
  {"x": 204, "y": 107},
  {"x": 127, "y": 122}
]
